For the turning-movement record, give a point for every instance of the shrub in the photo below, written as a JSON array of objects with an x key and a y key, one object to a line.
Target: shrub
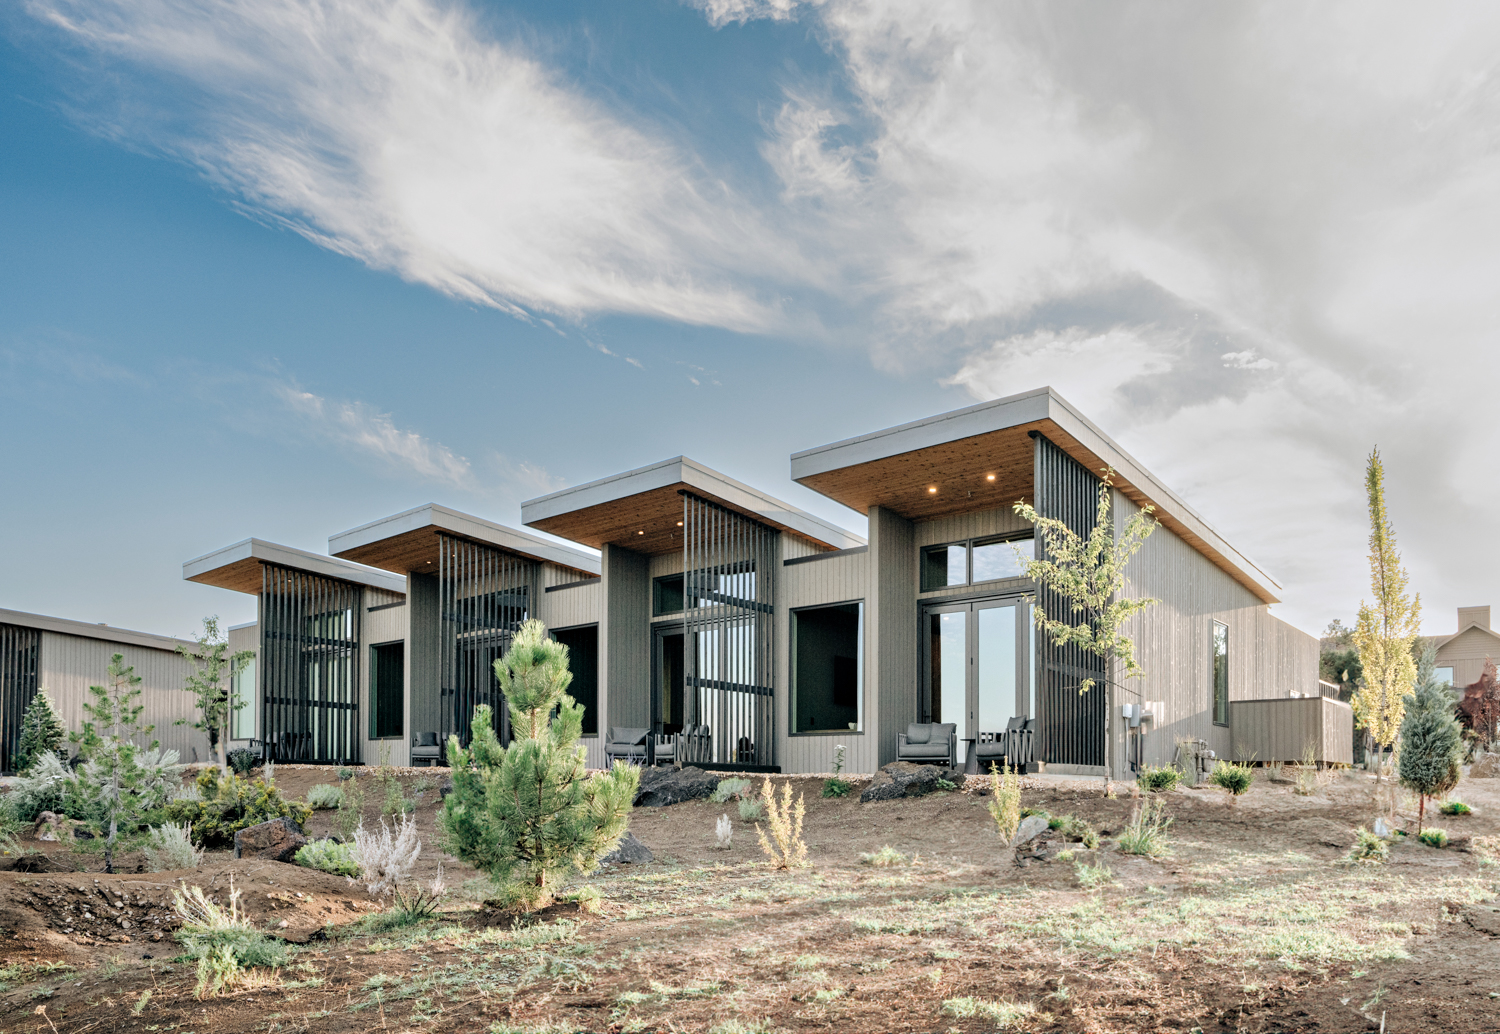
[
  {"x": 945, "y": 784},
  {"x": 1367, "y": 847},
  {"x": 1005, "y": 801},
  {"x": 385, "y": 860},
  {"x": 328, "y": 856},
  {"x": 169, "y": 848},
  {"x": 723, "y": 832},
  {"x": 1305, "y": 775},
  {"x": 242, "y": 760},
  {"x": 1234, "y": 778},
  {"x": 1026, "y": 813},
  {"x": 1455, "y": 808},
  {"x": 1147, "y": 832},
  {"x": 41, "y": 789},
  {"x": 1431, "y": 745},
  {"x": 345, "y": 774},
  {"x": 885, "y": 857},
  {"x": 1074, "y": 828},
  {"x": 784, "y": 846},
  {"x": 837, "y": 787},
  {"x": 42, "y": 733},
  {"x": 728, "y": 790},
  {"x": 351, "y": 809},
  {"x": 1092, "y": 877},
  {"x": 324, "y": 797},
  {"x": 1434, "y": 837},
  {"x": 232, "y": 803},
  {"x": 529, "y": 814},
  {"x": 222, "y": 940},
  {"x": 1156, "y": 779},
  {"x": 751, "y": 810}
]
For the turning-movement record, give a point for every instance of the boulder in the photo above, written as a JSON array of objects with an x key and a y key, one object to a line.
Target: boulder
[
  {"x": 663, "y": 786},
  {"x": 445, "y": 789},
  {"x": 904, "y": 779},
  {"x": 275, "y": 841},
  {"x": 629, "y": 851},
  {"x": 1031, "y": 827},
  {"x": 1486, "y": 766}
]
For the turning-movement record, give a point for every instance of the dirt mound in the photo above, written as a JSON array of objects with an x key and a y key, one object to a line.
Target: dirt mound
[{"x": 54, "y": 914}]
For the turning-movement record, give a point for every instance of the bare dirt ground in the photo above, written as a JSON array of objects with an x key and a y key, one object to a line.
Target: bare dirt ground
[{"x": 1251, "y": 922}]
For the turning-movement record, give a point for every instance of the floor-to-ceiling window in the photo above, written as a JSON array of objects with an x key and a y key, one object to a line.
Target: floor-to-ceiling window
[
  {"x": 979, "y": 671},
  {"x": 583, "y": 663}
]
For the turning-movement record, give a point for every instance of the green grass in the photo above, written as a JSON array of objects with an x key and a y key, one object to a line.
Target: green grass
[
  {"x": 1434, "y": 837},
  {"x": 1004, "y": 1015},
  {"x": 1455, "y": 808},
  {"x": 884, "y": 858}
]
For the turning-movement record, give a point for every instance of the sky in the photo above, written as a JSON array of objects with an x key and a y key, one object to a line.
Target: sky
[{"x": 281, "y": 268}]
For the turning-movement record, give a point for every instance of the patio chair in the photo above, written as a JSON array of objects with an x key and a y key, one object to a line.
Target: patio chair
[
  {"x": 927, "y": 743},
  {"x": 626, "y": 744},
  {"x": 998, "y": 748},
  {"x": 425, "y": 749},
  {"x": 1022, "y": 747}
]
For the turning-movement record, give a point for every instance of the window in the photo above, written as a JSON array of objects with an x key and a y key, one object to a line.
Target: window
[
  {"x": 1221, "y": 673},
  {"x": 1444, "y": 674},
  {"x": 583, "y": 662},
  {"x": 666, "y": 595},
  {"x": 242, "y": 690},
  {"x": 978, "y": 560},
  {"x": 387, "y": 691},
  {"x": 828, "y": 668}
]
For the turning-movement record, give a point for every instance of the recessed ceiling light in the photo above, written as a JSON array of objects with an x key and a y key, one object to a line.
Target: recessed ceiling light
[
  {"x": 640, "y": 533},
  {"x": 932, "y": 491},
  {"x": 679, "y": 524},
  {"x": 989, "y": 477}
]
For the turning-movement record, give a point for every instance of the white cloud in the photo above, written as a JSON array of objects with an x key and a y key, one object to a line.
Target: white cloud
[
  {"x": 1247, "y": 360},
  {"x": 362, "y": 428},
  {"x": 723, "y": 12},
  {"x": 395, "y": 132}
]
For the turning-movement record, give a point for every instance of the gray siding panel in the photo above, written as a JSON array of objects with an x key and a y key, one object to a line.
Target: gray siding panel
[
  {"x": 386, "y": 625},
  {"x": 424, "y": 661},
  {"x": 979, "y": 524},
  {"x": 1284, "y": 730},
  {"x": 625, "y": 640},
  {"x": 892, "y": 656}
]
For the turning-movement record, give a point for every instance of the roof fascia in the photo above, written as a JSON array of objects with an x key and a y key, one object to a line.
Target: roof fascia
[
  {"x": 107, "y": 633},
  {"x": 296, "y": 559},
  {"x": 433, "y": 515}
]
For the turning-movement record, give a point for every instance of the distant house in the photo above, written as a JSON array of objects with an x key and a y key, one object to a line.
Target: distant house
[{"x": 1461, "y": 656}]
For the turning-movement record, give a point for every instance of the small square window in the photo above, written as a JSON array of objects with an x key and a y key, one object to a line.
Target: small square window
[
  {"x": 943, "y": 566},
  {"x": 666, "y": 595}
]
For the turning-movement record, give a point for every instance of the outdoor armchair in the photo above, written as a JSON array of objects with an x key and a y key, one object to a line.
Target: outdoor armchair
[
  {"x": 425, "y": 749},
  {"x": 629, "y": 744},
  {"x": 927, "y": 743}
]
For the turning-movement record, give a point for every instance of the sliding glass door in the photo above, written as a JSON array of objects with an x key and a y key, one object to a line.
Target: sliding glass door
[{"x": 979, "y": 667}]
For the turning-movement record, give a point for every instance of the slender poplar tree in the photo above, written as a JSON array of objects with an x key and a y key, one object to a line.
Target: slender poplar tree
[{"x": 1386, "y": 628}]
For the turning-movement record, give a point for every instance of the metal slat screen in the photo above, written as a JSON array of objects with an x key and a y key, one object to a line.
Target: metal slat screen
[
  {"x": 1072, "y": 726},
  {"x": 729, "y": 569},
  {"x": 19, "y": 652},
  {"x": 484, "y": 596},
  {"x": 309, "y": 652}
]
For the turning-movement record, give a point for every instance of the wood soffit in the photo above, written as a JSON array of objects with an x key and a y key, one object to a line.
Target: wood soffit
[
  {"x": 416, "y": 552},
  {"x": 647, "y": 522},
  {"x": 240, "y": 576},
  {"x": 960, "y": 472}
]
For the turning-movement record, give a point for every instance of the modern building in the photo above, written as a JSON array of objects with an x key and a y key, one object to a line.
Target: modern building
[
  {"x": 65, "y": 658},
  {"x": 747, "y": 633}
]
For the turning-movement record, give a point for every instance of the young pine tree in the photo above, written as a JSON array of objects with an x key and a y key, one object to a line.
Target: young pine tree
[
  {"x": 123, "y": 786},
  {"x": 1386, "y": 629},
  {"x": 212, "y": 665},
  {"x": 42, "y": 732},
  {"x": 527, "y": 814},
  {"x": 1432, "y": 744}
]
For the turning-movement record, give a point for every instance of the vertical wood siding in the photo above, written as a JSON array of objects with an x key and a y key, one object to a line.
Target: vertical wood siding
[
  {"x": 976, "y": 525},
  {"x": 1267, "y": 657},
  {"x": 70, "y": 664},
  {"x": 387, "y": 625},
  {"x": 625, "y": 640},
  {"x": 840, "y": 579},
  {"x": 565, "y": 608},
  {"x": 892, "y": 656},
  {"x": 1283, "y": 730}
]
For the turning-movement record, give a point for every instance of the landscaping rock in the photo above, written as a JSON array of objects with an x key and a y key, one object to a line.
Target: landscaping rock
[
  {"x": 1486, "y": 766},
  {"x": 1031, "y": 827},
  {"x": 445, "y": 789},
  {"x": 904, "y": 779},
  {"x": 276, "y": 841},
  {"x": 663, "y": 786},
  {"x": 630, "y": 851}
]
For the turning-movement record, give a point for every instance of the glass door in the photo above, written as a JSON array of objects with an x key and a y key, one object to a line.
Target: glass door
[{"x": 979, "y": 671}]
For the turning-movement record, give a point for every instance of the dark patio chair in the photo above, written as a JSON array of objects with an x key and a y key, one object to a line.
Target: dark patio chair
[
  {"x": 628, "y": 745},
  {"x": 425, "y": 749},
  {"x": 927, "y": 743}
]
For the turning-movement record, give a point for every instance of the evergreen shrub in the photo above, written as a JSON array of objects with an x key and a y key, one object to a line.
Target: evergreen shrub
[{"x": 232, "y": 803}]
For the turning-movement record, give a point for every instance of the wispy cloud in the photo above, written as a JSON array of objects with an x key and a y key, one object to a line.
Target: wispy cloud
[{"x": 364, "y": 429}]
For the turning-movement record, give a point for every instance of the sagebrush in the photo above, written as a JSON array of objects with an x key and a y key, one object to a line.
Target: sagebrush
[
  {"x": 324, "y": 797},
  {"x": 328, "y": 856},
  {"x": 169, "y": 847},
  {"x": 223, "y": 940}
]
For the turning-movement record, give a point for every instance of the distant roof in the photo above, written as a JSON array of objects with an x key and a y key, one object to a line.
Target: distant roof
[
  {"x": 107, "y": 633},
  {"x": 238, "y": 567},
  {"x": 618, "y": 509},
  {"x": 956, "y": 453},
  {"x": 408, "y": 541}
]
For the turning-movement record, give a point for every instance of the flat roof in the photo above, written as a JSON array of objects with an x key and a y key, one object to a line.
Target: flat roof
[
  {"x": 408, "y": 541},
  {"x": 957, "y": 452},
  {"x": 107, "y": 633},
  {"x": 238, "y": 567},
  {"x": 620, "y": 508}
]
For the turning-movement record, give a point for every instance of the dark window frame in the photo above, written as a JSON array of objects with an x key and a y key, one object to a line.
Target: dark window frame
[
  {"x": 1218, "y": 671},
  {"x": 375, "y": 709},
  {"x": 594, "y": 711},
  {"x": 657, "y": 585},
  {"x": 968, "y": 546},
  {"x": 859, "y": 689}
]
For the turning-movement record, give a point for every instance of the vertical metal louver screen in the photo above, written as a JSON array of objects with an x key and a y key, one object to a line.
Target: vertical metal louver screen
[
  {"x": 309, "y": 661},
  {"x": 1072, "y": 725},
  {"x": 20, "y": 649},
  {"x": 729, "y": 570},
  {"x": 484, "y": 596}
]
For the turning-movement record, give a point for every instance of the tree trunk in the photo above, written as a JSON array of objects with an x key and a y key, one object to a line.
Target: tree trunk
[{"x": 1421, "y": 811}]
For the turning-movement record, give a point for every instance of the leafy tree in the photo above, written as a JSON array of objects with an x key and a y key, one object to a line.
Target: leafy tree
[
  {"x": 212, "y": 665},
  {"x": 1342, "y": 668},
  {"x": 42, "y": 732},
  {"x": 1431, "y": 743},
  {"x": 1088, "y": 573},
  {"x": 1387, "y": 628},
  {"x": 528, "y": 814},
  {"x": 1337, "y": 636},
  {"x": 1480, "y": 706},
  {"x": 123, "y": 785}
]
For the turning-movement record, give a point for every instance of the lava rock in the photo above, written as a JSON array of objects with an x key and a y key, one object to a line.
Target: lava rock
[
  {"x": 276, "y": 841},
  {"x": 904, "y": 779},
  {"x": 630, "y": 851},
  {"x": 1031, "y": 827},
  {"x": 445, "y": 789},
  {"x": 661, "y": 787}
]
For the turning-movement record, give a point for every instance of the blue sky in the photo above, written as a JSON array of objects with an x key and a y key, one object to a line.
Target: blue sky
[{"x": 278, "y": 269}]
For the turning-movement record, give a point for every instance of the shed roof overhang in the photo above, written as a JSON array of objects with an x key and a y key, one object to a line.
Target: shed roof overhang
[
  {"x": 642, "y": 509},
  {"x": 981, "y": 458},
  {"x": 408, "y": 542},
  {"x": 107, "y": 633},
  {"x": 238, "y": 567}
]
